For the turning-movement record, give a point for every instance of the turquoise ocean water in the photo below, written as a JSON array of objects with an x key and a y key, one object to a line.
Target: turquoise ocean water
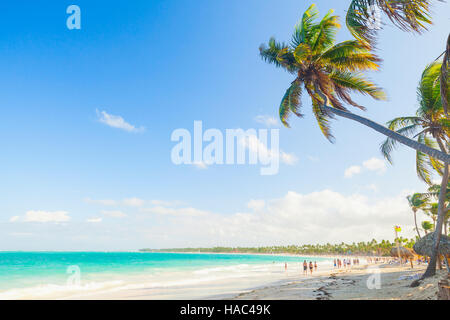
[{"x": 31, "y": 269}]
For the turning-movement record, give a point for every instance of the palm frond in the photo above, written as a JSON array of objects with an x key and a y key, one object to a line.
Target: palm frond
[
  {"x": 290, "y": 103},
  {"x": 278, "y": 54},
  {"x": 401, "y": 122},
  {"x": 357, "y": 82},
  {"x": 323, "y": 120},
  {"x": 352, "y": 56},
  {"x": 408, "y": 15},
  {"x": 302, "y": 53},
  {"x": 444, "y": 77},
  {"x": 324, "y": 34},
  {"x": 303, "y": 29}
]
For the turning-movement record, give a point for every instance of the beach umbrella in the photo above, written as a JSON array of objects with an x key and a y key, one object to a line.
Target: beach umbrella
[
  {"x": 424, "y": 246},
  {"x": 404, "y": 252}
]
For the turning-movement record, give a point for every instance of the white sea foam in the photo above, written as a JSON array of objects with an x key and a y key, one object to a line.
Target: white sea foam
[{"x": 199, "y": 283}]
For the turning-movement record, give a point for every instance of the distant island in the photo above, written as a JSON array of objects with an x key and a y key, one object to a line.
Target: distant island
[{"x": 371, "y": 248}]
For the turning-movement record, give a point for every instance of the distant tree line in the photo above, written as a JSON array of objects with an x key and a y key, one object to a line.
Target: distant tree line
[{"x": 371, "y": 248}]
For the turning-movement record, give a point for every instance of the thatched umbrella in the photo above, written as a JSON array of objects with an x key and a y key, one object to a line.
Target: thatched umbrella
[
  {"x": 404, "y": 252},
  {"x": 424, "y": 246}
]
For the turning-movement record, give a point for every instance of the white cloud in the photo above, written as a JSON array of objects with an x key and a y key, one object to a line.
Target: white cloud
[
  {"x": 117, "y": 122},
  {"x": 46, "y": 216},
  {"x": 165, "y": 203},
  {"x": 21, "y": 234},
  {"x": 254, "y": 145},
  {"x": 94, "y": 220},
  {"x": 105, "y": 202},
  {"x": 317, "y": 217},
  {"x": 14, "y": 219},
  {"x": 268, "y": 121},
  {"x": 133, "y": 202},
  {"x": 165, "y": 211},
  {"x": 313, "y": 159},
  {"x": 256, "y": 205},
  {"x": 113, "y": 213},
  {"x": 375, "y": 164},
  {"x": 351, "y": 171},
  {"x": 200, "y": 165}
]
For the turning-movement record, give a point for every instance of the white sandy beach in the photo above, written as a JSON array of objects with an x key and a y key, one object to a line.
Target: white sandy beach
[
  {"x": 273, "y": 283},
  {"x": 251, "y": 282}
]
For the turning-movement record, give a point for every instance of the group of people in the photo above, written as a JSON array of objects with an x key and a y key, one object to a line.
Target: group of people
[
  {"x": 338, "y": 263},
  {"x": 311, "y": 267}
]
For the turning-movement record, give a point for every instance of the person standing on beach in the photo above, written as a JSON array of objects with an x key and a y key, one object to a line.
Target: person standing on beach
[
  {"x": 305, "y": 268},
  {"x": 310, "y": 267},
  {"x": 285, "y": 266},
  {"x": 315, "y": 266},
  {"x": 334, "y": 263}
]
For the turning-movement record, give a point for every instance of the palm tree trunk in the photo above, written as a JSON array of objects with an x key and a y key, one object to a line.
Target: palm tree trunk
[
  {"x": 431, "y": 269},
  {"x": 389, "y": 133},
  {"x": 443, "y": 156},
  {"x": 415, "y": 222}
]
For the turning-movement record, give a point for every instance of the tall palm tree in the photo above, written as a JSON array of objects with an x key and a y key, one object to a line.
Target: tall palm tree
[
  {"x": 408, "y": 15},
  {"x": 329, "y": 72},
  {"x": 430, "y": 126},
  {"x": 417, "y": 201}
]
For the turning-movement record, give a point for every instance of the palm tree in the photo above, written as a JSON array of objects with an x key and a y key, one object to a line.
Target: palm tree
[
  {"x": 329, "y": 72},
  {"x": 432, "y": 212},
  {"x": 430, "y": 126},
  {"x": 417, "y": 201},
  {"x": 433, "y": 192},
  {"x": 412, "y": 16},
  {"x": 444, "y": 76},
  {"x": 427, "y": 226}
]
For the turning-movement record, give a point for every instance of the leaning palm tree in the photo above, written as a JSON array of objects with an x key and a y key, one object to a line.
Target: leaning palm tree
[
  {"x": 430, "y": 126},
  {"x": 408, "y": 15},
  {"x": 329, "y": 72},
  {"x": 417, "y": 201}
]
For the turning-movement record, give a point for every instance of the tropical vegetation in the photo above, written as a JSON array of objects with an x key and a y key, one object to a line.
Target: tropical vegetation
[
  {"x": 370, "y": 248},
  {"x": 429, "y": 126},
  {"x": 329, "y": 72}
]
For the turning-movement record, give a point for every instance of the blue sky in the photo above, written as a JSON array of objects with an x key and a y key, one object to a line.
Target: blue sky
[{"x": 161, "y": 65}]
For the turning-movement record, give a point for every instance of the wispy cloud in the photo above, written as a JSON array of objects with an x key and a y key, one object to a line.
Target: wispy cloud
[
  {"x": 313, "y": 159},
  {"x": 253, "y": 144},
  {"x": 103, "y": 202},
  {"x": 200, "y": 165},
  {"x": 373, "y": 164},
  {"x": 351, "y": 171},
  {"x": 117, "y": 122},
  {"x": 268, "y": 121},
  {"x": 293, "y": 218},
  {"x": 113, "y": 213},
  {"x": 42, "y": 216},
  {"x": 190, "y": 212},
  {"x": 94, "y": 220},
  {"x": 133, "y": 202}
]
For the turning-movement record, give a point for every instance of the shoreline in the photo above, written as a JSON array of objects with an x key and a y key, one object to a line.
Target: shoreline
[
  {"x": 354, "y": 284},
  {"x": 260, "y": 281}
]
